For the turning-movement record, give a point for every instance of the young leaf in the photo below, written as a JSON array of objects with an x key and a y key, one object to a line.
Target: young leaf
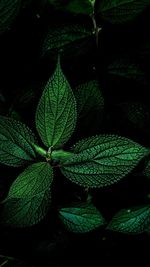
[
  {"x": 65, "y": 37},
  {"x": 131, "y": 221},
  {"x": 81, "y": 218},
  {"x": 120, "y": 11},
  {"x": 29, "y": 196},
  {"x": 127, "y": 69},
  {"x": 75, "y": 6},
  {"x": 56, "y": 111},
  {"x": 102, "y": 160},
  {"x": 8, "y": 11},
  {"x": 16, "y": 142}
]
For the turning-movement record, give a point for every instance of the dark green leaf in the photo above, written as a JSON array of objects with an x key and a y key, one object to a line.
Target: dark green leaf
[
  {"x": 75, "y": 6},
  {"x": 81, "y": 218},
  {"x": 127, "y": 69},
  {"x": 146, "y": 171},
  {"x": 120, "y": 11},
  {"x": 65, "y": 37},
  {"x": 138, "y": 114},
  {"x": 56, "y": 111},
  {"x": 29, "y": 196},
  {"x": 16, "y": 142},
  {"x": 89, "y": 97},
  {"x": 102, "y": 160},
  {"x": 131, "y": 221},
  {"x": 8, "y": 11}
]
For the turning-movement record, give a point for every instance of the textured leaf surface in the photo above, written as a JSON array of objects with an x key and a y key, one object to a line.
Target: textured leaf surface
[
  {"x": 102, "y": 160},
  {"x": 29, "y": 196},
  {"x": 56, "y": 111},
  {"x": 127, "y": 69},
  {"x": 120, "y": 11},
  {"x": 133, "y": 221},
  {"x": 75, "y": 6},
  {"x": 16, "y": 141},
  {"x": 146, "y": 171},
  {"x": 82, "y": 218},
  {"x": 89, "y": 97},
  {"x": 63, "y": 38},
  {"x": 8, "y": 11}
]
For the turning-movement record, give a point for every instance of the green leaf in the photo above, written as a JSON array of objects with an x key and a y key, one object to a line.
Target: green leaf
[
  {"x": 81, "y": 218},
  {"x": 121, "y": 11},
  {"x": 102, "y": 160},
  {"x": 64, "y": 38},
  {"x": 138, "y": 114},
  {"x": 56, "y": 111},
  {"x": 127, "y": 69},
  {"x": 131, "y": 221},
  {"x": 89, "y": 97},
  {"x": 8, "y": 12},
  {"x": 75, "y": 6},
  {"x": 29, "y": 197},
  {"x": 146, "y": 171},
  {"x": 16, "y": 142}
]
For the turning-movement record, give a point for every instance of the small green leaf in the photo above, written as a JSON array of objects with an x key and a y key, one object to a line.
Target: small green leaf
[
  {"x": 146, "y": 171},
  {"x": 29, "y": 196},
  {"x": 89, "y": 97},
  {"x": 8, "y": 12},
  {"x": 138, "y": 114},
  {"x": 81, "y": 218},
  {"x": 75, "y": 6},
  {"x": 56, "y": 111},
  {"x": 121, "y": 11},
  {"x": 131, "y": 221},
  {"x": 65, "y": 38},
  {"x": 16, "y": 142},
  {"x": 127, "y": 69},
  {"x": 102, "y": 160}
]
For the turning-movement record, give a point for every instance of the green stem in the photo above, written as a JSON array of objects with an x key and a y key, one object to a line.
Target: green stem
[
  {"x": 60, "y": 155},
  {"x": 41, "y": 151}
]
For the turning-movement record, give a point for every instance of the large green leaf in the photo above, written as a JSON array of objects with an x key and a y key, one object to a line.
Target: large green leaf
[
  {"x": 16, "y": 142},
  {"x": 102, "y": 160},
  {"x": 75, "y": 6},
  {"x": 8, "y": 11},
  {"x": 64, "y": 38},
  {"x": 120, "y": 11},
  {"x": 56, "y": 111},
  {"x": 81, "y": 218},
  {"x": 131, "y": 221},
  {"x": 29, "y": 196}
]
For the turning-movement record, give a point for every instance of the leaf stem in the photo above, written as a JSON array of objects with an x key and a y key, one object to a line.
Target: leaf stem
[
  {"x": 41, "y": 151},
  {"x": 60, "y": 155}
]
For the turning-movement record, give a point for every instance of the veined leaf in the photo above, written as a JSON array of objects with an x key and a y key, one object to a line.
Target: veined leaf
[
  {"x": 131, "y": 221},
  {"x": 56, "y": 111},
  {"x": 89, "y": 97},
  {"x": 65, "y": 37},
  {"x": 102, "y": 160},
  {"x": 127, "y": 69},
  {"x": 29, "y": 196},
  {"x": 75, "y": 6},
  {"x": 8, "y": 11},
  {"x": 120, "y": 11},
  {"x": 16, "y": 142},
  {"x": 81, "y": 218}
]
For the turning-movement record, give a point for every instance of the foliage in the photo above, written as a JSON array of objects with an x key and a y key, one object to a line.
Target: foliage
[{"x": 81, "y": 169}]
